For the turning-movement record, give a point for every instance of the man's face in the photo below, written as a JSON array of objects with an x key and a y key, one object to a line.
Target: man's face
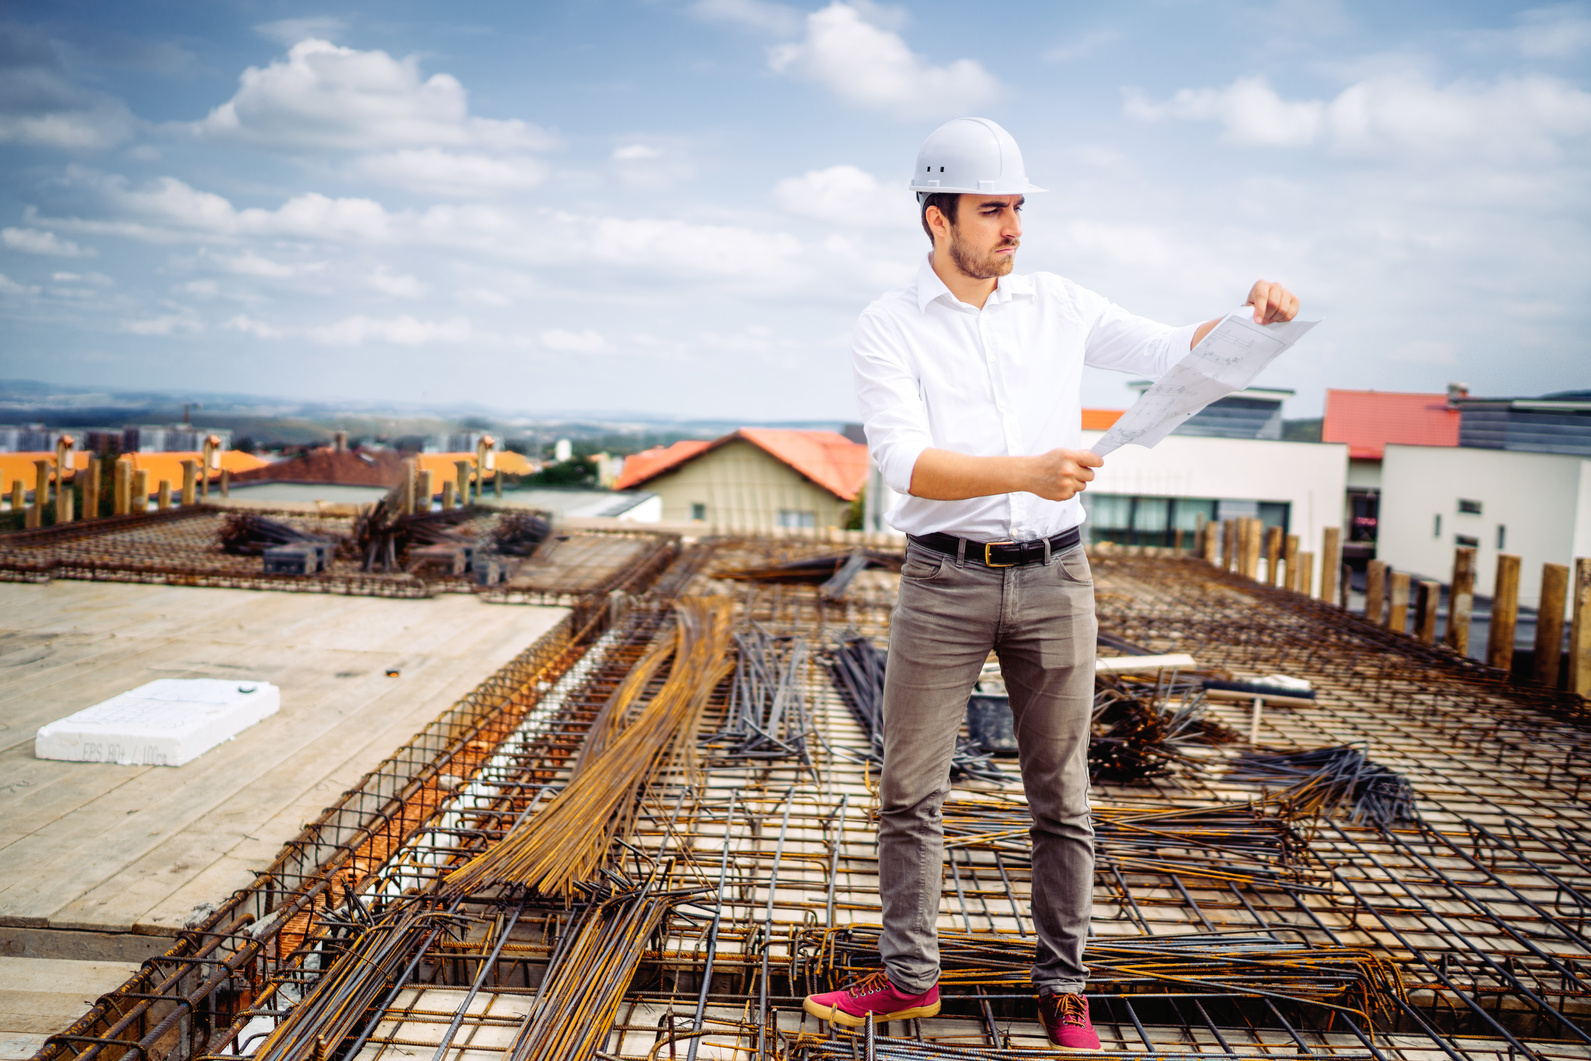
[{"x": 987, "y": 232}]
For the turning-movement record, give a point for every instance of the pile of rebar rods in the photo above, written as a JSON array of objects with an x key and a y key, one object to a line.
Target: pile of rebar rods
[
  {"x": 1235, "y": 963},
  {"x": 249, "y": 534},
  {"x": 857, "y": 668},
  {"x": 767, "y": 717},
  {"x": 567, "y": 842},
  {"x": 1142, "y": 730},
  {"x": 1323, "y": 781}
]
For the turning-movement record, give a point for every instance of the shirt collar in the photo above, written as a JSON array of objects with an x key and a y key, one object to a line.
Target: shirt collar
[{"x": 930, "y": 287}]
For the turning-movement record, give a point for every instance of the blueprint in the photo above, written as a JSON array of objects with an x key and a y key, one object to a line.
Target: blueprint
[{"x": 1226, "y": 360}]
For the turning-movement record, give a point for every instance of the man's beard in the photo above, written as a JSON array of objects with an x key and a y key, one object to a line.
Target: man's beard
[{"x": 986, "y": 268}]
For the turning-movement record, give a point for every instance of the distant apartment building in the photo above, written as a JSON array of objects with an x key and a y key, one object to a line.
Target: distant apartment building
[
  {"x": 174, "y": 438},
  {"x": 33, "y": 438},
  {"x": 1518, "y": 482},
  {"x": 1367, "y": 421},
  {"x": 754, "y": 479},
  {"x": 462, "y": 442}
]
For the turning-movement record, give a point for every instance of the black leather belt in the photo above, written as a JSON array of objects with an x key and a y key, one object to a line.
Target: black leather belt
[{"x": 1000, "y": 554}]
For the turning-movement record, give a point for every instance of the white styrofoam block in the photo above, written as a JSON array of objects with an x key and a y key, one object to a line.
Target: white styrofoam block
[{"x": 166, "y": 722}]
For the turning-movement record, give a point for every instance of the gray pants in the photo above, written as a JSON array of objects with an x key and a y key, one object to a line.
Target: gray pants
[{"x": 1040, "y": 620}]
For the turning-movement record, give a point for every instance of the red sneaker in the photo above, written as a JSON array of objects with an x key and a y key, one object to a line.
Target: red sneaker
[
  {"x": 1065, "y": 1019},
  {"x": 873, "y": 994}
]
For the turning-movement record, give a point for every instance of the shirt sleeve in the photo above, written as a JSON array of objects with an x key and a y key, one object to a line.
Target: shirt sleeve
[
  {"x": 889, "y": 394},
  {"x": 1127, "y": 343}
]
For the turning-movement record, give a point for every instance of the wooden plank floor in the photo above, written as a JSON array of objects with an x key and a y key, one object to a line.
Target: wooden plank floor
[
  {"x": 41, "y": 996},
  {"x": 95, "y": 846}
]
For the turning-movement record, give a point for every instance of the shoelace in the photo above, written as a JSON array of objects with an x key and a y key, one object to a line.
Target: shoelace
[
  {"x": 868, "y": 984},
  {"x": 1069, "y": 1008}
]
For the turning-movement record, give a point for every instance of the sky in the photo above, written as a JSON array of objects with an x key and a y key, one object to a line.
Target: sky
[{"x": 679, "y": 207}]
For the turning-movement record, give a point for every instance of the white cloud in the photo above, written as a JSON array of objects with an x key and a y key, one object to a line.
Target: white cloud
[
  {"x": 250, "y": 326},
  {"x": 36, "y": 241},
  {"x": 636, "y": 153},
  {"x": 201, "y": 288},
  {"x": 779, "y": 20},
  {"x": 585, "y": 342},
  {"x": 848, "y": 196},
  {"x": 1082, "y": 46},
  {"x": 405, "y": 286},
  {"x": 452, "y": 173},
  {"x": 683, "y": 247},
  {"x": 322, "y": 97},
  {"x": 867, "y": 65},
  {"x": 1559, "y": 32},
  {"x": 165, "y": 325},
  {"x": 9, "y": 286},
  {"x": 250, "y": 264},
  {"x": 402, "y": 330},
  {"x": 289, "y": 31},
  {"x": 1399, "y": 113},
  {"x": 40, "y": 105}
]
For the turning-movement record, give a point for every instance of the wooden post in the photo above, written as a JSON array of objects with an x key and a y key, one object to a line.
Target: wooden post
[
  {"x": 423, "y": 493},
  {"x": 1229, "y": 544},
  {"x": 1430, "y": 598},
  {"x": 190, "y": 476},
  {"x": 1580, "y": 630},
  {"x": 1460, "y": 599},
  {"x": 1290, "y": 563},
  {"x": 1398, "y": 603},
  {"x": 449, "y": 494},
  {"x": 1251, "y": 562},
  {"x": 1273, "y": 554},
  {"x": 226, "y": 481},
  {"x": 65, "y": 503},
  {"x": 1176, "y": 542},
  {"x": 1549, "y": 624},
  {"x": 1306, "y": 574},
  {"x": 91, "y": 489},
  {"x": 1505, "y": 613},
  {"x": 122, "y": 502},
  {"x": 141, "y": 490},
  {"x": 497, "y": 484},
  {"x": 41, "y": 494},
  {"x": 18, "y": 495},
  {"x": 1376, "y": 592},
  {"x": 1212, "y": 546},
  {"x": 163, "y": 495},
  {"x": 463, "y": 494},
  {"x": 1344, "y": 586},
  {"x": 1330, "y": 562},
  {"x": 406, "y": 491}
]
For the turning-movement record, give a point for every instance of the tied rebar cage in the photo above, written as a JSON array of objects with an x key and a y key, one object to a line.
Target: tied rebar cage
[{"x": 1398, "y": 872}]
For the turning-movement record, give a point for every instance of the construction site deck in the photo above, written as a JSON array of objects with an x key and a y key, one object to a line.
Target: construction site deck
[{"x": 474, "y": 892}]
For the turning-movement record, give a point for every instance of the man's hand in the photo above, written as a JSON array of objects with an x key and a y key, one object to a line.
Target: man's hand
[
  {"x": 1272, "y": 302},
  {"x": 941, "y": 475},
  {"x": 1061, "y": 474}
]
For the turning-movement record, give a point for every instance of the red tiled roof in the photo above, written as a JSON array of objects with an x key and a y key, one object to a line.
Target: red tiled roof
[
  {"x": 1100, "y": 419},
  {"x": 349, "y": 468},
  {"x": 1368, "y": 420},
  {"x": 829, "y": 459}
]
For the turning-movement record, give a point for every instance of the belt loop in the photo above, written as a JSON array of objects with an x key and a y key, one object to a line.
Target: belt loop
[
  {"x": 961, "y": 552},
  {"x": 1046, "y": 552}
]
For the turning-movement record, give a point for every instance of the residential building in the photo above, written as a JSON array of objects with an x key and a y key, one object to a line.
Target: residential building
[
  {"x": 754, "y": 479},
  {"x": 33, "y": 438},
  {"x": 1252, "y": 413},
  {"x": 170, "y": 438},
  {"x": 1519, "y": 482},
  {"x": 1366, "y": 421},
  {"x": 1144, "y": 496}
]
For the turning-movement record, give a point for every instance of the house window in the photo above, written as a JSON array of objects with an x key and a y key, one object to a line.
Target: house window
[
  {"x": 1436, "y": 530},
  {"x": 1502, "y": 537},
  {"x": 1466, "y": 541},
  {"x": 797, "y": 519},
  {"x": 698, "y": 512},
  {"x": 1469, "y": 508}
]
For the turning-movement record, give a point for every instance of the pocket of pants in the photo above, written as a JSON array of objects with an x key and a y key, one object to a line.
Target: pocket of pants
[
  {"x": 1073, "y": 567},
  {"x": 922, "y": 566}
]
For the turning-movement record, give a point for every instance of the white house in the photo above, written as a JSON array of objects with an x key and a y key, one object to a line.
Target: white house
[{"x": 1536, "y": 506}]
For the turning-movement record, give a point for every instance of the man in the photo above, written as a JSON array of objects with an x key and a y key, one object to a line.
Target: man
[{"x": 969, "y": 380}]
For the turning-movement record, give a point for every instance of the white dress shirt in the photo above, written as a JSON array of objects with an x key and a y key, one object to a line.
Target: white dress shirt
[{"x": 935, "y": 372}]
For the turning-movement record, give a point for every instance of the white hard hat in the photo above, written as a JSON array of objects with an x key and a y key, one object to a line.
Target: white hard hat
[{"x": 970, "y": 155}]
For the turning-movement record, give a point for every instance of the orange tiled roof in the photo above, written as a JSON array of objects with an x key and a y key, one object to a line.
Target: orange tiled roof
[
  {"x": 1368, "y": 420},
  {"x": 1100, "y": 419},
  {"x": 828, "y": 458}
]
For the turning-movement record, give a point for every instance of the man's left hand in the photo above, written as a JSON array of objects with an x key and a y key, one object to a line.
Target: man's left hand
[{"x": 1272, "y": 302}]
